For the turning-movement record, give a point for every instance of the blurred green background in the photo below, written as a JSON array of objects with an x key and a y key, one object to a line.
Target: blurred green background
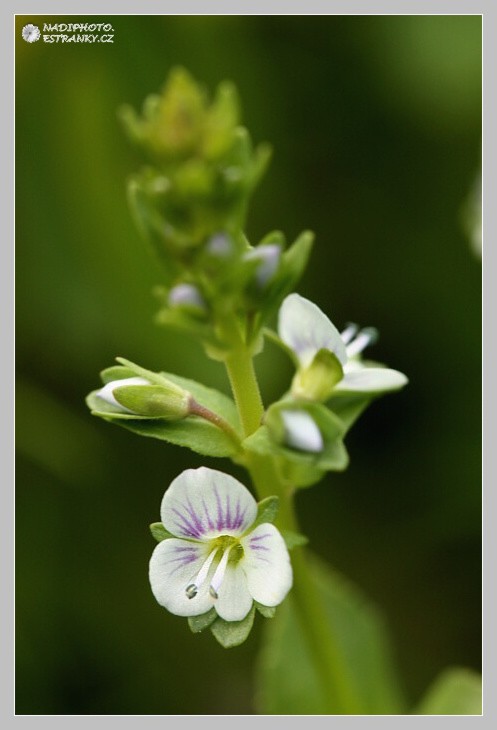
[{"x": 376, "y": 125}]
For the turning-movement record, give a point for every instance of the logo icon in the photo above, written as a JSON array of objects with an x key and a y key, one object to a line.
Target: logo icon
[{"x": 31, "y": 33}]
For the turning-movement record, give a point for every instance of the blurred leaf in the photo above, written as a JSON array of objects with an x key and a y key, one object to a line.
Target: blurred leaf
[
  {"x": 233, "y": 633},
  {"x": 456, "y": 691},
  {"x": 287, "y": 682}
]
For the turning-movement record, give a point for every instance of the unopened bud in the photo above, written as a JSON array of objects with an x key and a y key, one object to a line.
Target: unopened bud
[
  {"x": 269, "y": 256},
  {"x": 187, "y": 296},
  {"x": 140, "y": 397}
]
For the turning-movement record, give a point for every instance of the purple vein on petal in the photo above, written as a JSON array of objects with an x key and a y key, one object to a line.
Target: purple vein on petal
[
  {"x": 195, "y": 518},
  {"x": 227, "y": 518},
  {"x": 240, "y": 516},
  {"x": 259, "y": 547},
  {"x": 185, "y": 549},
  {"x": 259, "y": 537},
  {"x": 183, "y": 561},
  {"x": 219, "y": 509},
  {"x": 210, "y": 523},
  {"x": 186, "y": 525}
]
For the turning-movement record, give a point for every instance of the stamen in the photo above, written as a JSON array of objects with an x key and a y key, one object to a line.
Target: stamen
[
  {"x": 192, "y": 589},
  {"x": 218, "y": 576},
  {"x": 367, "y": 336},
  {"x": 349, "y": 332}
]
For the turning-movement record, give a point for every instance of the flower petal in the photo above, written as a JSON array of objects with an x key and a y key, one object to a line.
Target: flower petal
[
  {"x": 205, "y": 503},
  {"x": 173, "y": 567},
  {"x": 301, "y": 431},
  {"x": 306, "y": 330},
  {"x": 266, "y": 564},
  {"x": 370, "y": 380},
  {"x": 234, "y": 600}
]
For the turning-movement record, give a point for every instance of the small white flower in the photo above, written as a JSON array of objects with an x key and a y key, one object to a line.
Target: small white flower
[
  {"x": 215, "y": 559},
  {"x": 306, "y": 330},
  {"x": 107, "y": 392},
  {"x": 301, "y": 431}
]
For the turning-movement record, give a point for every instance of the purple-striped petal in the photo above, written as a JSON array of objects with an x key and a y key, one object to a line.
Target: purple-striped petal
[{"x": 204, "y": 503}]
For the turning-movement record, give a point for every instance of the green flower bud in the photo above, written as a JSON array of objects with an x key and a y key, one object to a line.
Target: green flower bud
[{"x": 143, "y": 398}]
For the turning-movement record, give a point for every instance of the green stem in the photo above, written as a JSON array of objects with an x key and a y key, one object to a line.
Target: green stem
[
  {"x": 196, "y": 409},
  {"x": 240, "y": 367},
  {"x": 323, "y": 648}
]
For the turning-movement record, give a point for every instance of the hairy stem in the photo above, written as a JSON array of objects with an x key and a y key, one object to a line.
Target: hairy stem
[{"x": 241, "y": 373}]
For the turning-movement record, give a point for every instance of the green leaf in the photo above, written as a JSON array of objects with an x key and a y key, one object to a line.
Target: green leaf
[
  {"x": 193, "y": 432},
  {"x": 233, "y": 633},
  {"x": 267, "y": 509},
  {"x": 287, "y": 682},
  {"x": 293, "y": 539},
  {"x": 159, "y": 532},
  {"x": 199, "y": 623},
  {"x": 456, "y": 691},
  {"x": 266, "y": 611}
]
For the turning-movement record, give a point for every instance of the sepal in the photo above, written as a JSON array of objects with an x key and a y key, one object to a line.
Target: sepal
[{"x": 233, "y": 633}]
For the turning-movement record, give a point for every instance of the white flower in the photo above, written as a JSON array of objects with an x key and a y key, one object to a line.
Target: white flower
[
  {"x": 308, "y": 332},
  {"x": 215, "y": 559}
]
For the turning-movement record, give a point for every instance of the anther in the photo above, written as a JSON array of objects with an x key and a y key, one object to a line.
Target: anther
[{"x": 191, "y": 590}]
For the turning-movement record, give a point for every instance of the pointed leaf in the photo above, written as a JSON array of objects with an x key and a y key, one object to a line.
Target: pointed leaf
[{"x": 193, "y": 432}]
